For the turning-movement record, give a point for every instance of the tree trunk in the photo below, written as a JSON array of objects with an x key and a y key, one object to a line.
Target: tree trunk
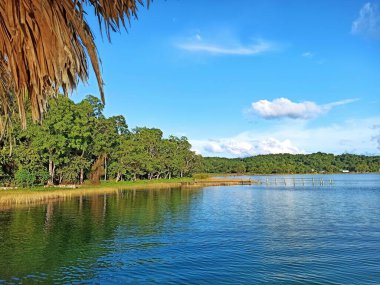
[
  {"x": 118, "y": 177},
  {"x": 105, "y": 168},
  {"x": 81, "y": 177},
  {"x": 51, "y": 172},
  {"x": 97, "y": 170}
]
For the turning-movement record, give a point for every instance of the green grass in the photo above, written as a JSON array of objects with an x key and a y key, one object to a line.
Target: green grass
[
  {"x": 111, "y": 183},
  {"x": 138, "y": 182},
  {"x": 25, "y": 196},
  {"x": 43, "y": 194}
]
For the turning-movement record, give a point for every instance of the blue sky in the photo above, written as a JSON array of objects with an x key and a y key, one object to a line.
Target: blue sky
[{"x": 251, "y": 77}]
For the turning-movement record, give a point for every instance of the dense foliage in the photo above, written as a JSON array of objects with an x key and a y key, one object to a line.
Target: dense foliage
[
  {"x": 75, "y": 142},
  {"x": 288, "y": 163}
]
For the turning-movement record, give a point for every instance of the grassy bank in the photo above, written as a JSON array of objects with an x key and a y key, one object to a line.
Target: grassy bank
[{"x": 14, "y": 197}]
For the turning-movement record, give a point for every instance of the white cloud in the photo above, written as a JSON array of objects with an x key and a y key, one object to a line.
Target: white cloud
[
  {"x": 368, "y": 22},
  {"x": 331, "y": 105},
  {"x": 272, "y": 145},
  {"x": 360, "y": 136},
  {"x": 284, "y": 108},
  {"x": 308, "y": 54},
  {"x": 236, "y": 147},
  {"x": 225, "y": 47},
  {"x": 376, "y": 137}
]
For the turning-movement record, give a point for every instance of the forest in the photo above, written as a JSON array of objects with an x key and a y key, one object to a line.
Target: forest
[
  {"x": 292, "y": 163},
  {"x": 76, "y": 142}
]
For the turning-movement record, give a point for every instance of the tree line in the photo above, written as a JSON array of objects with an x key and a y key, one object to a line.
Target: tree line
[
  {"x": 292, "y": 163},
  {"x": 76, "y": 142}
]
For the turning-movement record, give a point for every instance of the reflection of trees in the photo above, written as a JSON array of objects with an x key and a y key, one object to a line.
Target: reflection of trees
[{"x": 76, "y": 232}]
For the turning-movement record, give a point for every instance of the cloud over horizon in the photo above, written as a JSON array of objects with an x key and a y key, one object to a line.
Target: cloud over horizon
[
  {"x": 235, "y": 147},
  {"x": 298, "y": 138},
  {"x": 368, "y": 22},
  {"x": 377, "y": 137},
  {"x": 285, "y": 108}
]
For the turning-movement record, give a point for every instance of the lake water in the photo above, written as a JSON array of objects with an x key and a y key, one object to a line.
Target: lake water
[{"x": 274, "y": 234}]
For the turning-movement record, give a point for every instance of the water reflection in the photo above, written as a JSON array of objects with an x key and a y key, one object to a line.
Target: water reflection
[
  {"x": 39, "y": 241},
  {"x": 217, "y": 235}
]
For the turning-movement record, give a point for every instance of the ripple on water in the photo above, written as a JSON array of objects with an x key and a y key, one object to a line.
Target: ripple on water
[{"x": 217, "y": 235}]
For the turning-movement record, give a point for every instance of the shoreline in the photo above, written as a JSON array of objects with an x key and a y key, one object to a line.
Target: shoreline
[
  {"x": 217, "y": 175},
  {"x": 25, "y": 197}
]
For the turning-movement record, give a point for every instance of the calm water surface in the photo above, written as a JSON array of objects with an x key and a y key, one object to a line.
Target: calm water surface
[{"x": 275, "y": 234}]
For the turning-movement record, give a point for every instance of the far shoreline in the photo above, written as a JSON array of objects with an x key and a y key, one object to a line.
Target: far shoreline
[{"x": 274, "y": 174}]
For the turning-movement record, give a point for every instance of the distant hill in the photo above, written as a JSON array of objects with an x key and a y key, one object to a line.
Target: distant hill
[{"x": 292, "y": 163}]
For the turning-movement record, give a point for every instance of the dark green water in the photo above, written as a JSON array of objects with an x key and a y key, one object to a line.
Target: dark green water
[{"x": 272, "y": 234}]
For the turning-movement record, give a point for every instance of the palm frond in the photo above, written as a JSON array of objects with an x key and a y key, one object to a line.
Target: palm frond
[{"x": 44, "y": 46}]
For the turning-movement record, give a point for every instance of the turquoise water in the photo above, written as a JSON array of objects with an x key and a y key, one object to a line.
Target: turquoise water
[{"x": 274, "y": 234}]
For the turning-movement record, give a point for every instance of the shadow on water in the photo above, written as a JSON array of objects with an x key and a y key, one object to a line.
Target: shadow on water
[{"x": 37, "y": 243}]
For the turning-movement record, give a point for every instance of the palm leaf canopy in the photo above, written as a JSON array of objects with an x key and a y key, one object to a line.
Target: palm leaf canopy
[{"x": 45, "y": 46}]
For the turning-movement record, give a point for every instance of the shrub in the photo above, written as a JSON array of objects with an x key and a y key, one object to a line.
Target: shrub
[
  {"x": 201, "y": 176},
  {"x": 41, "y": 177},
  {"x": 27, "y": 178},
  {"x": 24, "y": 178}
]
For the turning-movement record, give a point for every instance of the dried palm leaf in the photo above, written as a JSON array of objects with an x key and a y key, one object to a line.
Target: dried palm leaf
[{"x": 44, "y": 46}]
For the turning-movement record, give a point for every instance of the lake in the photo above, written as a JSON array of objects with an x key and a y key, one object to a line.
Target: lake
[{"x": 270, "y": 233}]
